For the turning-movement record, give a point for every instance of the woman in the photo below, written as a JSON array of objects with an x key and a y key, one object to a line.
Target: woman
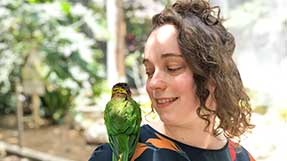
[{"x": 195, "y": 88}]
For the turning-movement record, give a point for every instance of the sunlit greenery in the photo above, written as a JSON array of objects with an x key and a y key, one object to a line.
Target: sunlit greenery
[
  {"x": 62, "y": 44},
  {"x": 69, "y": 38},
  {"x": 57, "y": 32}
]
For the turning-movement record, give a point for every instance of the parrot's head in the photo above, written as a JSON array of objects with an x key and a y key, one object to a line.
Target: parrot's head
[{"x": 121, "y": 90}]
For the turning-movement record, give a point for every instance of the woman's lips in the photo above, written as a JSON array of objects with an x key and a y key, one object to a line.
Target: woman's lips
[{"x": 164, "y": 102}]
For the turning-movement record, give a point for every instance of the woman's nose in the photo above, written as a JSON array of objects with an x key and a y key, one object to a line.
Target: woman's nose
[{"x": 157, "y": 81}]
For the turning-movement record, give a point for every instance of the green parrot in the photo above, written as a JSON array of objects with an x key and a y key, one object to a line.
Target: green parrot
[{"x": 122, "y": 117}]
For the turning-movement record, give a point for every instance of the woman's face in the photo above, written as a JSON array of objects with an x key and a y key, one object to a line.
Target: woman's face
[{"x": 170, "y": 83}]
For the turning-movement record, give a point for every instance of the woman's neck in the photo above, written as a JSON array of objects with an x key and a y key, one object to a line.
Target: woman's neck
[{"x": 192, "y": 135}]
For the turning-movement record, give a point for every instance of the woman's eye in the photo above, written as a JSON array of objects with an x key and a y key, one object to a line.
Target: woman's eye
[{"x": 173, "y": 69}]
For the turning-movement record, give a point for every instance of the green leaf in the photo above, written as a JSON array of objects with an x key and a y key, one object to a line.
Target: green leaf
[
  {"x": 66, "y": 7},
  {"x": 33, "y": 1},
  {"x": 76, "y": 58}
]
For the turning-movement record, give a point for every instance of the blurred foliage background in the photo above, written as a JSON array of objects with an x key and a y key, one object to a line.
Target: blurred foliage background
[{"x": 61, "y": 47}]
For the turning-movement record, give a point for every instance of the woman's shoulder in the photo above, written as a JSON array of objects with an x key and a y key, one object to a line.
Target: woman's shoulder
[
  {"x": 158, "y": 142},
  {"x": 151, "y": 146},
  {"x": 238, "y": 152},
  {"x": 102, "y": 153},
  {"x": 155, "y": 146}
]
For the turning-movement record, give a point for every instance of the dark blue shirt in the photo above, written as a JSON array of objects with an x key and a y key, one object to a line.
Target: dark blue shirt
[{"x": 154, "y": 146}]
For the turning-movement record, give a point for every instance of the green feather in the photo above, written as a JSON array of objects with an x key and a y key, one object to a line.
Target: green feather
[{"x": 122, "y": 119}]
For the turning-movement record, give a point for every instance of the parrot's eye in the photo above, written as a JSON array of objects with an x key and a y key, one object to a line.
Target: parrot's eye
[{"x": 118, "y": 95}]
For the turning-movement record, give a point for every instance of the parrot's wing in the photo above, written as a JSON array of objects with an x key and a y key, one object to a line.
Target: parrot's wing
[
  {"x": 107, "y": 116},
  {"x": 111, "y": 117},
  {"x": 135, "y": 126},
  {"x": 114, "y": 143},
  {"x": 110, "y": 130}
]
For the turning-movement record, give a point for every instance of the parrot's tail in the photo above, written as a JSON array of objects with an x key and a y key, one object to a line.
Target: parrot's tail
[
  {"x": 123, "y": 157},
  {"x": 115, "y": 158},
  {"x": 120, "y": 157}
]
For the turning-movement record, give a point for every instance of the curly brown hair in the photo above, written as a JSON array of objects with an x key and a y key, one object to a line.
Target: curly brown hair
[{"x": 207, "y": 47}]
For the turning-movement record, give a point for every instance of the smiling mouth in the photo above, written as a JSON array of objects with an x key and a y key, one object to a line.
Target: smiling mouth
[{"x": 165, "y": 101}]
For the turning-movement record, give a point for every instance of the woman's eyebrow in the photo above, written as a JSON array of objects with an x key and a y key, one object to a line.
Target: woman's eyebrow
[{"x": 166, "y": 55}]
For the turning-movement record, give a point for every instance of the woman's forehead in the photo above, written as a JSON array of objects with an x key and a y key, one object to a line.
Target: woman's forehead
[
  {"x": 162, "y": 40},
  {"x": 163, "y": 34}
]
